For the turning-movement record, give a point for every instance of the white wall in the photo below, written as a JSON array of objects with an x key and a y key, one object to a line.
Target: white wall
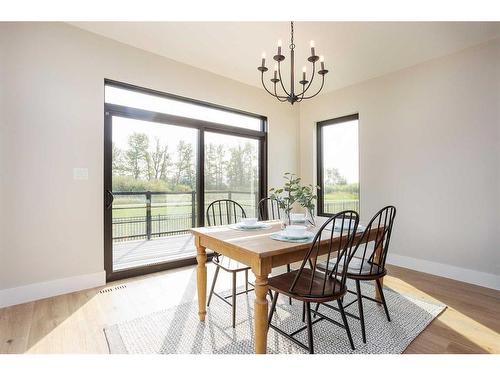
[
  {"x": 429, "y": 144},
  {"x": 52, "y": 81}
]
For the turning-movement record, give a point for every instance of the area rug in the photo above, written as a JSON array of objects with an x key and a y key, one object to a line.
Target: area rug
[{"x": 178, "y": 331}]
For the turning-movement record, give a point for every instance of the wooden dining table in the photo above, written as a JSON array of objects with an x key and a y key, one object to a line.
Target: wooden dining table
[{"x": 260, "y": 252}]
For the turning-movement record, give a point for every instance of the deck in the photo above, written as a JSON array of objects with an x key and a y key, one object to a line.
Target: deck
[{"x": 130, "y": 254}]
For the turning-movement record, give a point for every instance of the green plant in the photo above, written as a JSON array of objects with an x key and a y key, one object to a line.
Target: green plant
[{"x": 293, "y": 192}]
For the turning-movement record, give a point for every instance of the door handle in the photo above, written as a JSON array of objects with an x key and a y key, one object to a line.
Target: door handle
[{"x": 112, "y": 198}]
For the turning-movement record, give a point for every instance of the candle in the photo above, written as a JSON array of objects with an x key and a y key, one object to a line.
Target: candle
[
  {"x": 275, "y": 70},
  {"x": 304, "y": 73},
  {"x": 263, "y": 59},
  {"x": 322, "y": 61},
  {"x": 279, "y": 47},
  {"x": 312, "y": 48}
]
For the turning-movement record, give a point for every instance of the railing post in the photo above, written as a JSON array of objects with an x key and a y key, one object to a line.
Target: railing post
[
  {"x": 230, "y": 195},
  {"x": 148, "y": 215},
  {"x": 193, "y": 211}
]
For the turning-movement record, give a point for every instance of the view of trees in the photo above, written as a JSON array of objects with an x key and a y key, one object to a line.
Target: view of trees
[
  {"x": 148, "y": 164},
  {"x": 337, "y": 187}
]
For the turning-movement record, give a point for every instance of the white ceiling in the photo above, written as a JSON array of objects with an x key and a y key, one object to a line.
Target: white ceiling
[{"x": 353, "y": 51}]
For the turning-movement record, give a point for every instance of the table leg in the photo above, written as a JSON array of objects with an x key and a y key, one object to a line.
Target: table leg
[
  {"x": 201, "y": 278},
  {"x": 260, "y": 311},
  {"x": 378, "y": 253}
]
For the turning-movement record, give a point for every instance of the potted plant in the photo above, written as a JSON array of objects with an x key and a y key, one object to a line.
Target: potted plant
[{"x": 293, "y": 192}]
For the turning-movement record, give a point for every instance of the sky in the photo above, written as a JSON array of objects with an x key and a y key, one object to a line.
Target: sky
[{"x": 340, "y": 149}]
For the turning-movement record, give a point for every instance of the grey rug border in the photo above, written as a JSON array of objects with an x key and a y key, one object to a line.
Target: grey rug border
[{"x": 113, "y": 337}]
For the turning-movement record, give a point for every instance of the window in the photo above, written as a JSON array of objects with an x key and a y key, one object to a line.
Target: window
[
  {"x": 338, "y": 165},
  {"x": 166, "y": 159}
]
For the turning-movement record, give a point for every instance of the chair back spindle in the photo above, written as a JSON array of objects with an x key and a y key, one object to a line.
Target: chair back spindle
[
  {"x": 224, "y": 211},
  {"x": 269, "y": 209},
  {"x": 311, "y": 281},
  {"x": 371, "y": 256}
]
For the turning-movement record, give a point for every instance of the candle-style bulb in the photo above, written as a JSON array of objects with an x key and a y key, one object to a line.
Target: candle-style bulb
[
  {"x": 276, "y": 67},
  {"x": 279, "y": 46},
  {"x": 280, "y": 43},
  {"x": 322, "y": 59},
  {"x": 304, "y": 73},
  {"x": 304, "y": 69},
  {"x": 263, "y": 59},
  {"x": 263, "y": 55},
  {"x": 312, "y": 48}
]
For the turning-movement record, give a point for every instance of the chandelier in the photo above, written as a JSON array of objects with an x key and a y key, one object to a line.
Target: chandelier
[{"x": 291, "y": 95}]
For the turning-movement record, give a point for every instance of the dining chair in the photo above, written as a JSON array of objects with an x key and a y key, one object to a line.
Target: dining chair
[
  {"x": 309, "y": 285},
  {"x": 222, "y": 212},
  {"x": 367, "y": 262}
]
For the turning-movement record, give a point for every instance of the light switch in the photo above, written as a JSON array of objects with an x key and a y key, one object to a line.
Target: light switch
[{"x": 80, "y": 173}]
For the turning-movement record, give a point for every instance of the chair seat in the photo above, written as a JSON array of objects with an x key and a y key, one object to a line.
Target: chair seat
[
  {"x": 229, "y": 265},
  {"x": 357, "y": 269},
  {"x": 283, "y": 282}
]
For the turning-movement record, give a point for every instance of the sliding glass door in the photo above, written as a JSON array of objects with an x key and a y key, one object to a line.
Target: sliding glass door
[
  {"x": 162, "y": 170},
  {"x": 232, "y": 170}
]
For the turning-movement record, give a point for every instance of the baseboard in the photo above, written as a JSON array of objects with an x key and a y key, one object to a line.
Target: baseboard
[
  {"x": 33, "y": 292},
  {"x": 487, "y": 280}
]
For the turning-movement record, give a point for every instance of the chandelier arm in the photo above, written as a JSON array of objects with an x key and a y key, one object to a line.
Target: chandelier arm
[
  {"x": 279, "y": 97},
  {"x": 281, "y": 81},
  {"x": 322, "y": 83},
  {"x": 310, "y": 82},
  {"x": 269, "y": 92}
]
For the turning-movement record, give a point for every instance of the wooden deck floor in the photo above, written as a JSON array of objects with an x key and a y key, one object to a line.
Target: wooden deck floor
[{"x": 129, "y": 254}]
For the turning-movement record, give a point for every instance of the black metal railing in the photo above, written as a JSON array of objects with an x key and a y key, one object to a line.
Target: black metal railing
[{"x": 147, "y": 214}]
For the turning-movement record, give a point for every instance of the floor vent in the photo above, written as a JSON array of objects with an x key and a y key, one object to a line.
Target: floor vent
[{"x": 112, "y": 289}]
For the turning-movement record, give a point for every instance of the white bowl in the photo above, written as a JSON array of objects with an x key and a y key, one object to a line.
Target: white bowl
[
  {"x": 248, "y": 221},
  {"x": 296, "y": 231},
  {"x": 297, "y": 217}
]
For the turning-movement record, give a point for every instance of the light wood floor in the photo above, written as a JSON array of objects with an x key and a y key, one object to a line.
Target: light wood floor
[{"x": 73, "y": 323}]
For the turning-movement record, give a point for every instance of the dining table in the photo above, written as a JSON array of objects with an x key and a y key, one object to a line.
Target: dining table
[{"x": 262, "y": 253}]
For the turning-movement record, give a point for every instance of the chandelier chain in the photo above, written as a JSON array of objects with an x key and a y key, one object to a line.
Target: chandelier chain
[{"x": 292, "y": 45}]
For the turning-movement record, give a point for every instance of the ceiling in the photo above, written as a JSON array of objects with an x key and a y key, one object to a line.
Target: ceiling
[{"x": 353, "y": 51}]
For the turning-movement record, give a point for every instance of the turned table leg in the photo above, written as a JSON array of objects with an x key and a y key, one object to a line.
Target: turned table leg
[
  {"x": 378, "y": 254},
  {"x": 260, "y": 311},
  {"x": 201, "y": 278}
]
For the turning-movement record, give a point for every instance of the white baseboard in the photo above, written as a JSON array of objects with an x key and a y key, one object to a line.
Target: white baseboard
[
  {"x": 487, "y": 280},
  {"x": 33, "y": 292}
]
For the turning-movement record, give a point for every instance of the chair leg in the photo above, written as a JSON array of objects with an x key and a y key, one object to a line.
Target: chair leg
[
  {"x": 289, "y": 269},
  {"x": 273, "y": 308},
  {"x": 316, "y": 310},
  {"x": 381, "y": 292},
  {"x": 309, "y": 328},
  {"x": 213, "y": 285},
  {"x": 234, "y": 299},
  {"x": 346, "y": 324},
  {"x": 303, "y": 311},
  {"x": 246, "y": 281},
  {"x": 360, "y": 308}
]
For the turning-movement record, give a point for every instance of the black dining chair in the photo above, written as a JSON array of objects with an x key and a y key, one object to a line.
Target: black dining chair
[
  {"x": 367, "y": 262},
  {"x": 310, "y": 285},
  {"x": 222, "y": 212}
]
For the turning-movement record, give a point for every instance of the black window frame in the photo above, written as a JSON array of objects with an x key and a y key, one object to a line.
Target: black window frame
[
  {"x": 319, "y": 157},
  {"x": 111, "y": 110}
]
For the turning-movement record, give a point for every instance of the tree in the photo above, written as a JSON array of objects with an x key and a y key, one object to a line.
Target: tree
[
  {"x": 333, "y": 177},
  {"x": 185, "y": 173},
  {"x": 137, "y": 154},
  {"x": 214, "y": 167},
  {"x": 117, "y": 160},
  {"x": 160, "y": 161}
]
